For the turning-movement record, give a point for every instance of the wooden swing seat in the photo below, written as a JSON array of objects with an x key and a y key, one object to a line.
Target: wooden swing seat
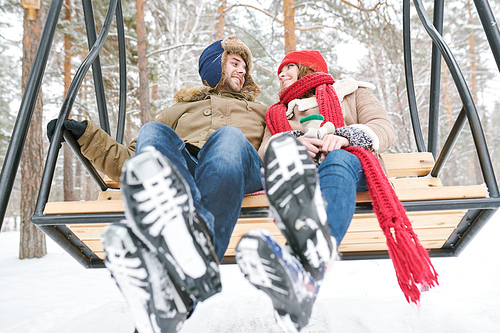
[{"x": 364, "y": 239}]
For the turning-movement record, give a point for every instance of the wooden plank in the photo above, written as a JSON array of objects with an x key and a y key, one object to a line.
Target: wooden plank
[
  {"x": 432, "y": 227},
  {"x": 420, "y": 220},
  {"x": 255, "y": 201},
  {"x": 84, "y": 207},
  {"x": 88, "y": 231},
  {"x": 410, "y": 164},
  {"x": 100, "y": 254},
  {"x": 110, "y": 195},
  {"x": 360, "y": 223},
  {"x": 111, "y": 183},
  {"x": 432, "y": 193},
  {"x": 97, "y": 247},
  {"x": 261, "y": 200},
  {"x": 369, "y": 237},
  {"x": 383, "y": 247},
  {"x": 402, "y": 183},
  {"x": 404, "y": 194}
]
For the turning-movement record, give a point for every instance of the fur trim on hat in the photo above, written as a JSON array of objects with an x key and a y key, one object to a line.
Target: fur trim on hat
[{"x": 232, "y": 45}]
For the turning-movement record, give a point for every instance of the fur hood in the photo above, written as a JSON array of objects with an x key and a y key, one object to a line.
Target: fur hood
[{"x": 199, "y": 93}]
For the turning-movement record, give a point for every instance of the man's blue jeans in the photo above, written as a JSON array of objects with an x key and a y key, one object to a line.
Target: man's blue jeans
[
  {"x": 227, "y": 168},
  {"x": 340, "y": 177}
]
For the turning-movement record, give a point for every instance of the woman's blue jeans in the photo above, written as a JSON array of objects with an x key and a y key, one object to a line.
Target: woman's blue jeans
[
  {"x": 227, "y": 168},
  {"x": 340, "y": 177}
]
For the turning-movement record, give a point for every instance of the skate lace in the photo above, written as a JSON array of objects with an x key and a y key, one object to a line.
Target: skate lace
[
  {"x": 289, "y": 159},
  {"x": 127, "y": 272},
  {"x": 161, "y": 201}
]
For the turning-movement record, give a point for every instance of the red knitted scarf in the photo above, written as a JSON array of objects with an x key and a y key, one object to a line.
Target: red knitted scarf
[{"x": 411, "y": 261}]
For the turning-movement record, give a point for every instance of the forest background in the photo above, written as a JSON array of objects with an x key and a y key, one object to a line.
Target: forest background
[{"x": 358, "y": 38}]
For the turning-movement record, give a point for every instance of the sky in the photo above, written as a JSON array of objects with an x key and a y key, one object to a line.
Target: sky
[{"x": 55, "y": 294}]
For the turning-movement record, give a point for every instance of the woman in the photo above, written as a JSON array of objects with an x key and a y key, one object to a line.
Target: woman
[
  {"x": 340, "y": 125},
  {"x": 367, "y": 125}
]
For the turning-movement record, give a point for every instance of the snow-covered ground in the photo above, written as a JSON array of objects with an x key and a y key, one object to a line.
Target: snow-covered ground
[{"x": 56, "y": 294}]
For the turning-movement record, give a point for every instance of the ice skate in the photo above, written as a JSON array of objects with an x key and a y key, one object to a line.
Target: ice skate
[
  {"x": 159, "y": 202},
  {"x": 157, "y": 306},
  {"x": 292, "y": 187},
  {"x": 272, "y": 269}
]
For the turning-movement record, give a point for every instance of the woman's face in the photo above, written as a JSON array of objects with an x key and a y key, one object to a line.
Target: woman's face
[{"x": 288, "y": 75}]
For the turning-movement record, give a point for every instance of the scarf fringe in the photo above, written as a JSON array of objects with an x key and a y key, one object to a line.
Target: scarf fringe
[{"x": 411, "y": 261}]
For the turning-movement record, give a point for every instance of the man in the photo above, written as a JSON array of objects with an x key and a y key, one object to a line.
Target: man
[{"x": 183, "y": 189}]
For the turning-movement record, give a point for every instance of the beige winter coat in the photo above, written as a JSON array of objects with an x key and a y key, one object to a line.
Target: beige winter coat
[
  {"x": 359, "y": 106},
  {"x": 193, "y": 121}
]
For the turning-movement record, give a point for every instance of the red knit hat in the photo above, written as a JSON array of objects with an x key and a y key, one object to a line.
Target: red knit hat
[{"x": 311, "y": 59}]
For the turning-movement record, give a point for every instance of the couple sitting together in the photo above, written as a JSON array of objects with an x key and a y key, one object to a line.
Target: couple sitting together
[{"x": 184, "y": 178}]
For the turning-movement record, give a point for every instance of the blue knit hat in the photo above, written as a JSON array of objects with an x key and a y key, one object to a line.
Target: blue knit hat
[{"x": 210, "y": 64}]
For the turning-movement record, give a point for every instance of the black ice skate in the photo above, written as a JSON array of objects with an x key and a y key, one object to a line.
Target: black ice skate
[
  {"x": 157, "y": 306},
  {"x": 159, "y": 201},
  {"x": 294, "y": 195},
  {"x": 280, "y": 275}
]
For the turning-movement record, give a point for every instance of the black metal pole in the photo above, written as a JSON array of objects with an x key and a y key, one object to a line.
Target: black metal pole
[
  {"x": 123, "y": 74},
  {"x": 471, "y": 232},
  {"x": 21, "y": 127},
  {"x": 465, "y": 95},
  {"x": 48, "y": 172},
  {"x": 490, "y": 27},
  {"x": 450, "y": 143},
  {"x": 410, "y": 88},
  {"x": 435, "y": 82},
  {"x": 96, "y": 67}
]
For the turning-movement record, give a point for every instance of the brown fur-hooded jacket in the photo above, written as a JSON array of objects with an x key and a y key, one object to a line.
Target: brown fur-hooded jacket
[{"x": 197, "y": 113}]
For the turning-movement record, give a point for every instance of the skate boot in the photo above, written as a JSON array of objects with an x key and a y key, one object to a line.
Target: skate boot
[
  {"x": 156, "y": 304},
  {"x": 292, "y": 187},
  {"x": 272, "y": 269},
  {"x": 159, "y": 203}
]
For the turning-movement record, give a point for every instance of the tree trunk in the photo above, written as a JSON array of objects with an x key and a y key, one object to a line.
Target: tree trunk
[
  {"x": 32, "y": 243},
  {"x": 221, "y": 20},
  {"x": 142, "y": 63},
  {"x": 289, "y": 24},
  {"x": 472, "y": 52},
  {"x": 473, "y": 84},
  {"x": 68, "y": 173},
  {"x": 447, "y": 97}
]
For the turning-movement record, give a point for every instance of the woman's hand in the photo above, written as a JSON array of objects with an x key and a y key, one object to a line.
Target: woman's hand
[
  {"x": 332, "y": 142},
  {"x": 313, "y": 145}
]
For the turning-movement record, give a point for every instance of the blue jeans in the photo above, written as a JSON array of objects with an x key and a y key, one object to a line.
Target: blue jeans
[
  {"x": 340, "y": 177},
  {"x": 227, "y": 168}
]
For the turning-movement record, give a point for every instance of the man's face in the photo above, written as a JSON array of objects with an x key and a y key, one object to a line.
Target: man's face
[{"x": 236, "y": 69}]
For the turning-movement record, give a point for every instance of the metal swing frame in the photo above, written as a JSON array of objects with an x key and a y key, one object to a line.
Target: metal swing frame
[{"x": 479, "y": 210}]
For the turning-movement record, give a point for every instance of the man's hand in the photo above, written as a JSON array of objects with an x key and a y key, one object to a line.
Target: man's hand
[{"x": 75, "y": 127}]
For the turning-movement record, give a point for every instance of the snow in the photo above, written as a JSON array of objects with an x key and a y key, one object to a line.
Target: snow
[{"x": 55, "y": 294}]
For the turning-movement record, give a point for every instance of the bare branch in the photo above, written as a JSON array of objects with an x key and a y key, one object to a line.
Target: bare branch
[
  {"x": 263, "y": 69},
  {"x": 360, "y": 8},
  {"x": 316, "y": 27},
  {"x": 257, "y": 9},
  {"x": 173, "y": 47}
]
